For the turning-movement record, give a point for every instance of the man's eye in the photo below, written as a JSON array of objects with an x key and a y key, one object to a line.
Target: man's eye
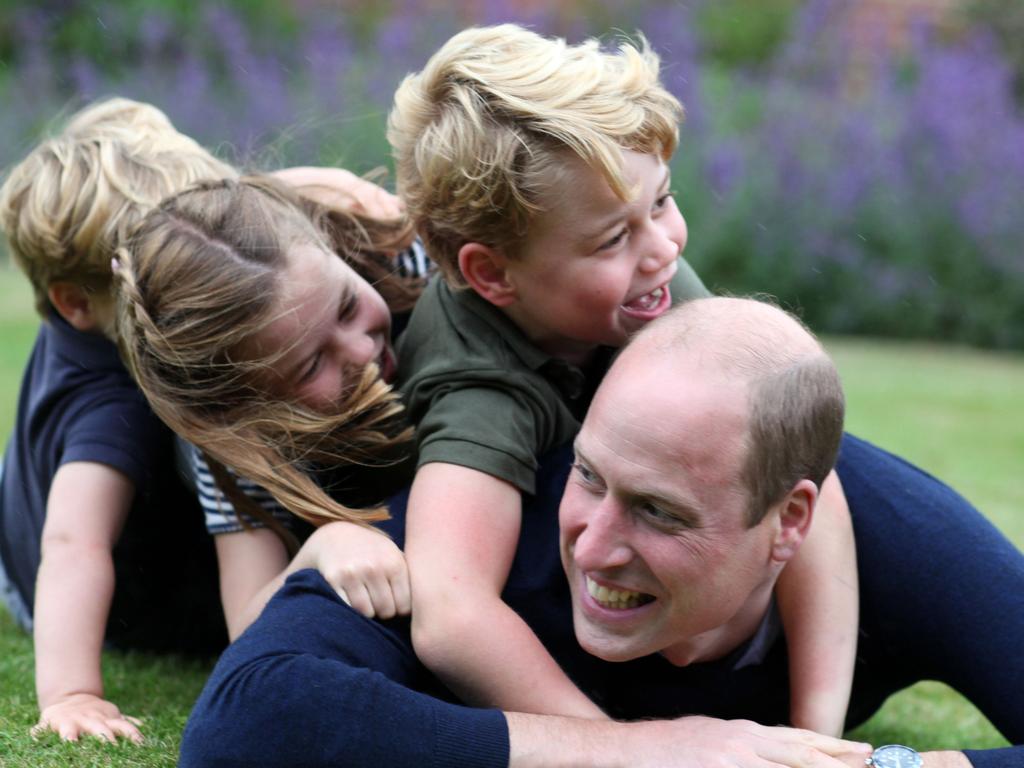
[
  {"x": 585, "y": 474},
  {"x": 658, "y": 515}
]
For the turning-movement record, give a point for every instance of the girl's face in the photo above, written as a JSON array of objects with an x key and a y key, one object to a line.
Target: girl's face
[{"x": 328, "y": 324}]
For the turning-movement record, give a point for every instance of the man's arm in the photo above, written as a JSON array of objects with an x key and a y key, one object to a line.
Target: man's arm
[
  {"x": 818, "y": 600},
  {"x": 462, "y": 529},
  {"x": 85, "y": 512},
  {"x": 341, "y": 693}
]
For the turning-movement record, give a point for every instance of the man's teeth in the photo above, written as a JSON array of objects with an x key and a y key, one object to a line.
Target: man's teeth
[
  {"x": 648, "y": 301},
  {"x": 618, "y": 599}
]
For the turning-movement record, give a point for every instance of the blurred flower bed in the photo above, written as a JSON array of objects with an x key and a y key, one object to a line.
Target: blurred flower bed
[{"x": 875, "y": 187}]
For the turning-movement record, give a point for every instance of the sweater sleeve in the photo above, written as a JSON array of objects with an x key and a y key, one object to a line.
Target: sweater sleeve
[{"x": 343, "y": 691}]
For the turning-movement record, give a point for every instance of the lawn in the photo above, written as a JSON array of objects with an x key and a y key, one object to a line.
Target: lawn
[{"x": 955, "y": 412}]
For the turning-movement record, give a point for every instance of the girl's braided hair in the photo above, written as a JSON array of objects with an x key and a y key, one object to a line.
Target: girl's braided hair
[{"x": 197, "y": 278}]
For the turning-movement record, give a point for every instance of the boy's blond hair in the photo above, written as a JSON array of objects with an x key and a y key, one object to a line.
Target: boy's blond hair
[
  {"x": 71, "y": 202},
  {"x": 198, "y": 278},
  {"x": 480, "y": 134}
]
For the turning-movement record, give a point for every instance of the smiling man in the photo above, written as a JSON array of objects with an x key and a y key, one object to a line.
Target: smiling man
[
  {"x": 666, "y": 546},
  {"x": 694, "y": 482}
]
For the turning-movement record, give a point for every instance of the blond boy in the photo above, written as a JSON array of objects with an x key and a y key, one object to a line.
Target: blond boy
[
  {"x": 100, "y": 542},
  {"x": 537, "y": 174}
]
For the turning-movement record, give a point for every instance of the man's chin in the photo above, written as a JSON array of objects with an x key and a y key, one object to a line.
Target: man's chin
[{"x": 606, "y": 646}]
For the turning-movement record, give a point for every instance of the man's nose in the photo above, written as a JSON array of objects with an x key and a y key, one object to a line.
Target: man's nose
[{"x": 603, "y": 538}]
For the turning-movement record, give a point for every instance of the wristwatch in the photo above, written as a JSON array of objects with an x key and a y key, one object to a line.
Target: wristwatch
[{"x": 894, "y": 756}]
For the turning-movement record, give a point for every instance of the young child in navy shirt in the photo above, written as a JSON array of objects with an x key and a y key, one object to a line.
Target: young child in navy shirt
[{"x": 100, "y": 541}]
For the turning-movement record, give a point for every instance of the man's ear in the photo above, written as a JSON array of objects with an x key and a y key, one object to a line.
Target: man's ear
[
  {"x": 795, "y": 513},
  {"x": 74, "y": 304},
  {"x": 485, "y": 269}
]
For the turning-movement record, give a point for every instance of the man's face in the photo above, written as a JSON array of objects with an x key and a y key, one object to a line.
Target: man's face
[
  {"x": 594, "y": 268},
  {"x": 654, "y": 538}
]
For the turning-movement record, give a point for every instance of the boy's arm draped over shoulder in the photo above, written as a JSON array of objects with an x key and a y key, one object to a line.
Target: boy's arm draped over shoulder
[
  {"x": 462, "y": 532},
  {"x": 819, "y": 605},
  {"x": 87, "y": 506}
]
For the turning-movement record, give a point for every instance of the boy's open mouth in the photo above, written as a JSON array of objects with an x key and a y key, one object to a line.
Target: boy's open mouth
[{"x": 650, "y": 305}]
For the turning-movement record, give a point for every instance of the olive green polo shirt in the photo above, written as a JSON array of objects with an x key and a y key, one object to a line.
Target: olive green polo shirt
[{"x": 482, "y": 395}]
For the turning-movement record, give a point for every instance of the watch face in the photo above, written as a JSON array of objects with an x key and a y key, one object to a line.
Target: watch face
[{"x": 895, "y": 756}]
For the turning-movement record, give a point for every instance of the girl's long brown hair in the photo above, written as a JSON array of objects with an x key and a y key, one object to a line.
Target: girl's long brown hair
[{"x": 199, "y": 277}]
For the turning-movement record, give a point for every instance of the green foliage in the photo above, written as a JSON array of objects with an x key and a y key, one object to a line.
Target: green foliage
[
  {"x": 743, "y": 33},
  {"x": 1005, "y": 20}
]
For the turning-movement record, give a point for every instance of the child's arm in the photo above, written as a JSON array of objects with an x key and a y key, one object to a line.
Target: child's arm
[
  {"x": 86, "y": 509},
  {"x": 365, "y": 567},
  {"x": 818, "y": 600},
  {"x": 462, "y": 530},
  {"x": 338, "y": 188}
]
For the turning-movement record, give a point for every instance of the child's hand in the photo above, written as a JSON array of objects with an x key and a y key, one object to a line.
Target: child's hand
[
  {"x": 85, "y": 714},
  {"x": 365, "y": 567}
]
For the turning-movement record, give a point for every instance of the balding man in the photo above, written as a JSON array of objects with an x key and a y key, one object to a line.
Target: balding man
[{"x": 694, "y": 482}]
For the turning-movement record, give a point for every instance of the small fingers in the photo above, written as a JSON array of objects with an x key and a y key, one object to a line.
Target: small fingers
[
  {"x": 360, "y": 600},
  {"x": 125, "y": 728},
  {"x": 401, "y": 591}
]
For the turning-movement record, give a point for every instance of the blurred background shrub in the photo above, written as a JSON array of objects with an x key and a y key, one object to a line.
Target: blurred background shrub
[{"x": 862, "y": 161}]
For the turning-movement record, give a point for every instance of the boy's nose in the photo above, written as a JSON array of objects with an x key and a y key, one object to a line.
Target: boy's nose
[{"x": 661, "y": 251}]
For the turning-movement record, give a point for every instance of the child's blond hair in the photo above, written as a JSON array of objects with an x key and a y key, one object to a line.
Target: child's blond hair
[
  {"x": 197, "y": 279},
  {"x": 480, "y": 134},
  {"x": 71, "y": 202}
]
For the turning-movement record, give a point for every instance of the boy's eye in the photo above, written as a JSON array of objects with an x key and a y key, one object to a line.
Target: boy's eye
[
  {"x": 614, "y": 241},
  {"x": 663, "y": 200}
]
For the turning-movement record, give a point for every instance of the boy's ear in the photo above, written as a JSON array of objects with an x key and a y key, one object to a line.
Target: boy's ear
[
  {"x": 485, "y": 269},
  {"x": 74, "y": 304},
  {"x": 794, "y": 514}
]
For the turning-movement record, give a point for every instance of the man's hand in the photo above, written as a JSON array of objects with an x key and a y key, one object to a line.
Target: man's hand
[
  {"x": 707, "y": 742},
  {"x": 85, "y": 714},
  {"x": 688, "y": 742}
]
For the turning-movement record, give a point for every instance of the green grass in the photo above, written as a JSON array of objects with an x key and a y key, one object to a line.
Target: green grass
[{"x": 954, "y": 412}]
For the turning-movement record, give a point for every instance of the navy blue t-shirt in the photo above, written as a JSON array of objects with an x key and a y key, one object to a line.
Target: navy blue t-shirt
[{"x": 79, "y": 403}]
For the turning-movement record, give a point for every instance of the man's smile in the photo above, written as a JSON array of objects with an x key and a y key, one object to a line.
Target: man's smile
[{"x": 616, "y": 599}]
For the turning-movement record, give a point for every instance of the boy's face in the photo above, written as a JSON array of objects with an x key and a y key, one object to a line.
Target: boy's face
[{"x": 594, "y": 268}]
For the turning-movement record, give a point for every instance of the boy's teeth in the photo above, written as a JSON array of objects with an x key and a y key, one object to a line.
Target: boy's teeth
[
  {"x": 648, "y": 301},
  {"x": 615, "y": 598}
]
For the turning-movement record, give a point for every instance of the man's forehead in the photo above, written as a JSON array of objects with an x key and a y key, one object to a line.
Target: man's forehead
[{"x": 661, "y": 417}]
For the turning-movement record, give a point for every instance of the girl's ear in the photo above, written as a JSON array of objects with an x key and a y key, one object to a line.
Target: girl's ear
[
  {"x": 485, "y": 269},
  {"x": 795, "y": 513},
  {"x": 74, "y": 304}
]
